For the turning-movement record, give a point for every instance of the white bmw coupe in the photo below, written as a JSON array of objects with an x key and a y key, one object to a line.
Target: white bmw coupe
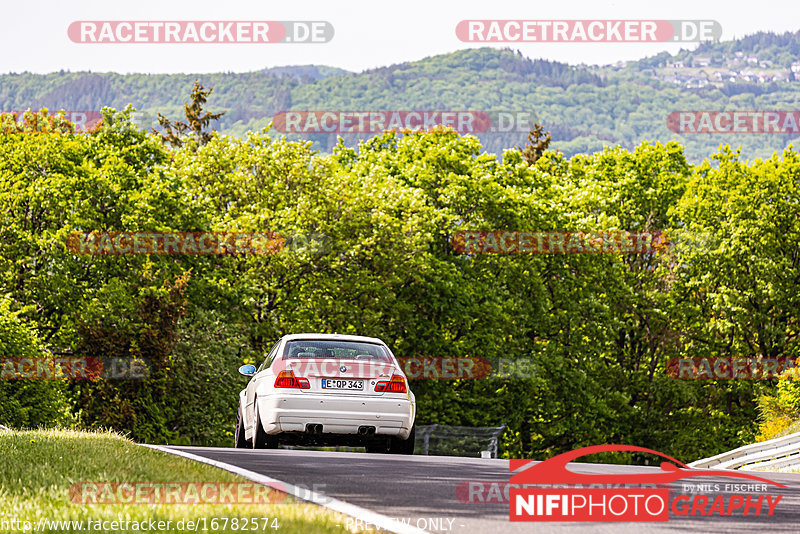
[{"x": 327, "y": 389}]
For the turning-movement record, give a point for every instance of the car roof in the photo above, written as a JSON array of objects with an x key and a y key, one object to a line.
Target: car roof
[{"x": 333, "y": 337}]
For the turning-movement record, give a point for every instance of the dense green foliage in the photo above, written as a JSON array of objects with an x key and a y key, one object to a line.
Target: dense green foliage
[
  {"x": 27, "y": 403},
  {"x": 599, "y": 328},
  {"x": 780, "y": 410}
]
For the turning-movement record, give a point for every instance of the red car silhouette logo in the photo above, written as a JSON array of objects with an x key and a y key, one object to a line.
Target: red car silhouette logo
[{"x": 554, "y": 470}]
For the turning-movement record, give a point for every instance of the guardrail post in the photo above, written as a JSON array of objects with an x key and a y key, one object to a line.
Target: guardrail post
[
  {"x": 426, "y": 437},
  {"x": 493, "y": 443}
]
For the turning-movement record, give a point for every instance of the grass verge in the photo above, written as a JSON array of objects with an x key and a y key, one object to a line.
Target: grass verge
[{"x": 38, "y": 469}]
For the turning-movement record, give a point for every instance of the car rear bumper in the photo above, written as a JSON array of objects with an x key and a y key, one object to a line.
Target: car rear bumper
[{"x": 337, "y": 415}]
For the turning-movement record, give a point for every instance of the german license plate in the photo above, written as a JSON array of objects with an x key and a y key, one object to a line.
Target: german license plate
[{"x": 335, "y": 383}]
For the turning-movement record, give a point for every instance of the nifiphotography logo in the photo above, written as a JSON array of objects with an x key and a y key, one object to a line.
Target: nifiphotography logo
[{"x": 624, "y": 497}]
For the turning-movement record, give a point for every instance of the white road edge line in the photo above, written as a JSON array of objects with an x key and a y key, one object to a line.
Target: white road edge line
[{"x": 366, "y": 516}]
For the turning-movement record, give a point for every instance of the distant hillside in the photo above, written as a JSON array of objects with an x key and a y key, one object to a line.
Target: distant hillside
[
  {"x": 305, "y": 72},
  {"x": 245, "y": 96},
  {"x": 583, "y": 107},
  {"x": 488, "y": 62}
]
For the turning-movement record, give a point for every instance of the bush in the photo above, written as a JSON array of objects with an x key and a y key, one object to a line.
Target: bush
[
  {"x": 27, "y": 403},
  {"x": 780, "y": 411}
]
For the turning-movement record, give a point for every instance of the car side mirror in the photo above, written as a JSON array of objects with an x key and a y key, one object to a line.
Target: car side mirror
[{"x": 247, "y": 370}]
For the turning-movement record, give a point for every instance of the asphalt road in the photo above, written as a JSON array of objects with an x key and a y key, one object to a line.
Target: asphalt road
[{"x": 422, "y": 490}]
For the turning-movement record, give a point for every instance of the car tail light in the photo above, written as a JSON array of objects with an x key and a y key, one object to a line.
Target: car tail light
[
  {"x": 286, "y": 379},
  {"x": 396, "y": 385}
]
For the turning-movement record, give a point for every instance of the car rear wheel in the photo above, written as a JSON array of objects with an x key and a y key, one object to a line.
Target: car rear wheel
[
  {"x": 378, "y": 446},
  {"x": 262, "y": 440},
  {"x": 392, "y": 445},
  {"x": 239, "y": 440},
  {"x": 403, "y": 446}
]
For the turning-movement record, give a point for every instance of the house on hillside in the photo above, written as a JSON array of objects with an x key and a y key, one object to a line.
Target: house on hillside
[
  {"x": 696, "y": 82},
  {"x": 702, "y": 61}
]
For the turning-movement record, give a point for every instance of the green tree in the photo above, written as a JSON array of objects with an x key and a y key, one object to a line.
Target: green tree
[
  {"x": 538, "y": 141},
  {"x": 197, "y": 122}
]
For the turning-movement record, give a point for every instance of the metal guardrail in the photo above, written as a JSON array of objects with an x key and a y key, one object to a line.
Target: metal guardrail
[
  {"x": 767, "y": 455},
  {"x": 454, "y": 434},
  {"x": 448, "y": 440}
]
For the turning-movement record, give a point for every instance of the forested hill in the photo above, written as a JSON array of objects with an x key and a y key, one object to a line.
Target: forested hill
[
  {"x": 585, "y": 107},
  {"x": 488, "y": 63},
  {"x": 305, "y": 72}
]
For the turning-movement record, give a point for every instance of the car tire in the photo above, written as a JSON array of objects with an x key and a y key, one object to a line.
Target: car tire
[
  {"x": 403, "y": 446},
  {"x": 377, "y": 446},
  {"x": 262, "y": 440},
  {"x": 240, "y": 442}
]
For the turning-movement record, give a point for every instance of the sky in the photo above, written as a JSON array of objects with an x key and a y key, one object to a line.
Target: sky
[{"x": 367, "y": 34}]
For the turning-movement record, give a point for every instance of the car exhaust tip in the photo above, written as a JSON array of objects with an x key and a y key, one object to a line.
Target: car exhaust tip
[
  {"x": 314, "y": 429},
  {"x": 366, "y": 430}
]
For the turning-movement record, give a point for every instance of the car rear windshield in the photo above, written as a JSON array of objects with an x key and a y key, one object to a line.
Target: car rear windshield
[{"x": 342, "y": 350}]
